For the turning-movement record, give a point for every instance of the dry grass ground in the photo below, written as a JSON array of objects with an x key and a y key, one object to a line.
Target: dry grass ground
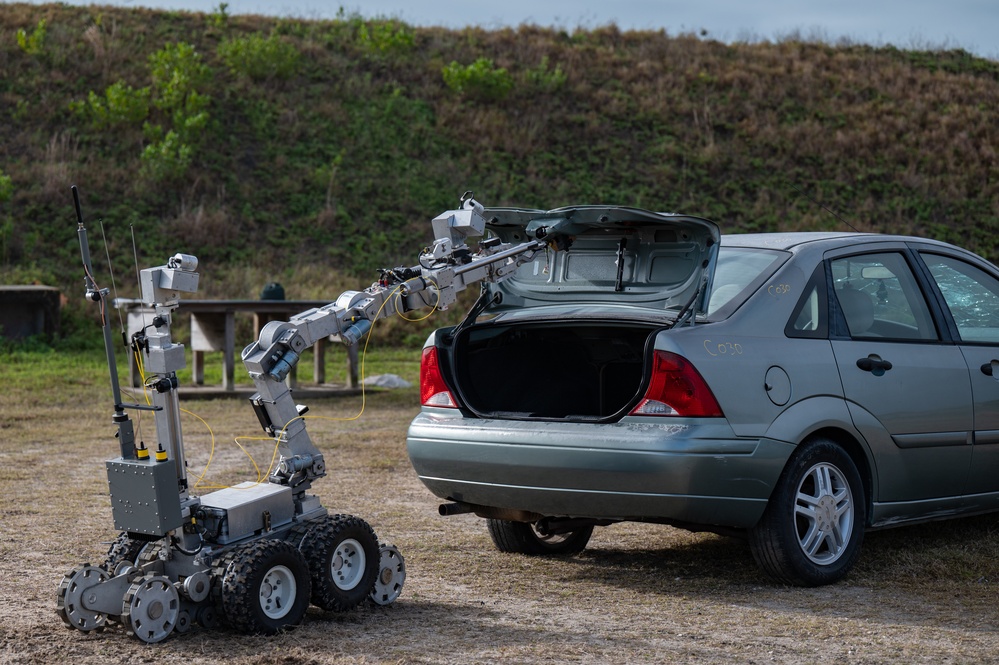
[{"x": 925, "y": 594}]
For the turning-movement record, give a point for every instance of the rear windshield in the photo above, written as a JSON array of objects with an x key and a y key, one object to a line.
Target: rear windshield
[{"x": 739, "y": 271}]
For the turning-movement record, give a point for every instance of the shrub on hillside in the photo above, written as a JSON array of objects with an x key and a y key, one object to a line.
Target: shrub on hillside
[
  {"x": 167, "y": 157},
  {"x": 385, "y": 37},
  {"x": 260, "y": 58},
  {"x": 32, "y": 43},
  {"x": 544, "y": 78},
  {"x": 177, "y": 74},
  {"x": 120, "y": 105},
  {"x": 6, "y": 187},
  {"x": 481, "y": 80}
]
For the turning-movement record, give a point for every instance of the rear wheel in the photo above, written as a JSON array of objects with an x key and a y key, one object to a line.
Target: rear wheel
[
  {"x": 524, "y": 538},
  {"x": 124, "y": 549},
  {"x": 811, "y": 531},
  {"x": 69, "y": 598}
]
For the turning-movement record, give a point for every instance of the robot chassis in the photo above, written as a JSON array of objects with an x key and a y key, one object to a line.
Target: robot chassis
[{"x": 253, "y": 555}]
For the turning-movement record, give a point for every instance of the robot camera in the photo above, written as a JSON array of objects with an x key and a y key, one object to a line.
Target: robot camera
[{"x": 183, "y": 262}]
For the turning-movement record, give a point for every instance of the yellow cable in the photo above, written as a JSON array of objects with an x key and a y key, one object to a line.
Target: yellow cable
[
  {"x": 398, "y": 297},
  {"x": 247, "y": 453},
  {"x": 142, "y": 376},
  {"x": 211, "y": 452}
]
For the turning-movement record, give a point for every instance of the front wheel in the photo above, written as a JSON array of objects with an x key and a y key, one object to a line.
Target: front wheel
[
  {"x": 265, "y": 587},
  {"x": 811, "y": 531},
  {"x": 524, "y": 538},
  {"x": 344, "y": 560}
]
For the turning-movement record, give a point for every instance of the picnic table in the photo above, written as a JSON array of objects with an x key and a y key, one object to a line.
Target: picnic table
[{"x": 213, "y": 328}]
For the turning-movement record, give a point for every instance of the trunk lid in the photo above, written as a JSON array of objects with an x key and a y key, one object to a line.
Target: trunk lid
[{"x": 619, "y": 255}]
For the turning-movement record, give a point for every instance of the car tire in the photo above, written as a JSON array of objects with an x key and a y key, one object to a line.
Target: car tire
[
  {"x": 812, "y": 529},
  {"x": 523, "y": 538}
]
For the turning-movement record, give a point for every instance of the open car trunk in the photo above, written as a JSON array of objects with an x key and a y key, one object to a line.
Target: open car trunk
[
  {"x": 585, "y": 371},
  {"x": 572, "y": 328}
]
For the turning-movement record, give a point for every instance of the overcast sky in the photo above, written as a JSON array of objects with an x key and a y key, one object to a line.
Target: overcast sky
[{"x": 969, "y": 24}]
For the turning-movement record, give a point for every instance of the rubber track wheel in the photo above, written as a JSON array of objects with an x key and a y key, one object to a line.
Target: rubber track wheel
[{"x": 122, "y": 549}]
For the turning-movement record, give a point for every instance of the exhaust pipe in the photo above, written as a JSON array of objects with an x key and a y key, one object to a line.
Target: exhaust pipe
[{"x": 446, "y": 509}]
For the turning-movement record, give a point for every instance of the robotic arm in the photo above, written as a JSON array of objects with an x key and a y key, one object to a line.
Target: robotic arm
[{"x": 445, "y": 268}]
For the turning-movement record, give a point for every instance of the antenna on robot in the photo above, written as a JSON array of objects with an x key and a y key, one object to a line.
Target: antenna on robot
[{"x": 126, "y": 434}]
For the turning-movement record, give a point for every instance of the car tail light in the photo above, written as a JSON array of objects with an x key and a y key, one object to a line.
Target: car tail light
[
  {"x": 676, "y": 389},
  {"x": 433, "y": 390}
]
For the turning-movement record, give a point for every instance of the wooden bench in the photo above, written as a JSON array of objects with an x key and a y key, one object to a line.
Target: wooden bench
[{"x": 213, "y": 328}]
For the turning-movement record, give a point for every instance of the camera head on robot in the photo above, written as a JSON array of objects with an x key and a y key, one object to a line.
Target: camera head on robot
[{"x": 163, "y": 285}]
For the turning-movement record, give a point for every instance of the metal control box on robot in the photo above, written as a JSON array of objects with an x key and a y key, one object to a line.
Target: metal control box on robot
[
  {"x": 245, "y": 509},
  {"x": 144, "y": 496}
]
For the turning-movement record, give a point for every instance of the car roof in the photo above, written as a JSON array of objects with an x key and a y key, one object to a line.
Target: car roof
[
  {"x": 825, "y": 240},
  {"x": 788, "y": 241},
  {"x": 801, "y": 242}
]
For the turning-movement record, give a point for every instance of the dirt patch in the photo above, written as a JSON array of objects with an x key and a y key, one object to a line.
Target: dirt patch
[{"x": 638, "y": 593}]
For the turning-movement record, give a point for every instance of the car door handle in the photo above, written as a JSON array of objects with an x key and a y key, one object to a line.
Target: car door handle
[
  {"x": 874, "y": 364},
  {"x": 987, "y": 368}
]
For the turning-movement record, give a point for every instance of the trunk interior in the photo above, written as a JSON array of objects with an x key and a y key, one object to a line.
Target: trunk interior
[{"x": 556, "y": 371}]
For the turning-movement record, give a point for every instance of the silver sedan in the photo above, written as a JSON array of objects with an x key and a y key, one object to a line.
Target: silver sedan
[{"x": 795, "y": 388}]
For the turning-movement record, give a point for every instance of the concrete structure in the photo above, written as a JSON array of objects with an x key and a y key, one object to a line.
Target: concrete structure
[{"x": 29, "y": 310}]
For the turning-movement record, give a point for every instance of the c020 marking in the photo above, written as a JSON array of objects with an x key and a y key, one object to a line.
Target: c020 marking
[
  {"x": 722, "y": 348},
  {"x": 778, "y": 290}
]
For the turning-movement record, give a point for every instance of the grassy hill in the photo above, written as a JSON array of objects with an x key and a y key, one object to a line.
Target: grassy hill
[{"x": 314, "y": 152}]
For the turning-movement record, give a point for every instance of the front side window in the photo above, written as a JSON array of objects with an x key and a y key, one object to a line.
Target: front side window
[
  {"x": 972, "y": 296},
  {"x": 880, "y": 298}
]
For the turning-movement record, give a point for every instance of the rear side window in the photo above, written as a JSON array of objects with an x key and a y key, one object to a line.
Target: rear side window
[
  {"x": 972, "y": 296},
  {"x": 810, "y": 316},
  {"x": 737, "y": 269},
  {"x": 879, "y": 298}
]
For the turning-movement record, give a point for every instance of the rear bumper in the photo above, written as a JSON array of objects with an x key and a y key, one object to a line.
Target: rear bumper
[{"x": 692, "y": 471}]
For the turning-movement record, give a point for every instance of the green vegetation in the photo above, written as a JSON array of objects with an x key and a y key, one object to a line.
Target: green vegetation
[
  {"x": 33, "y": 367},
  {"x": 121, "y": 105},
  {"x": 386, "y": 37},
  {"x": 177, "y": 74},
  {"x": 6, "y": 225},
  {"x": 481, "y": 80},
  {"x": 6, "y": 187},
  {"x": 260, "y": 58},
  {"x": 31, "y": 43},
  {"x": 315, "y": 152},
  {"x": 545, "y": 78}
]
